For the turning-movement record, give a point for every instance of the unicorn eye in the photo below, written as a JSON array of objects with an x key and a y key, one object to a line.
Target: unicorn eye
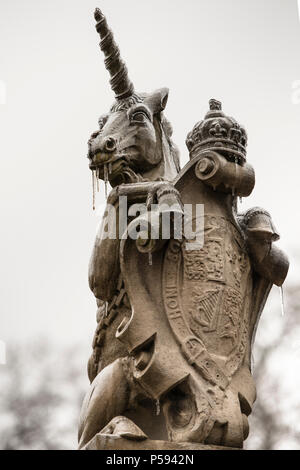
[{"x": 139, "y": 116}]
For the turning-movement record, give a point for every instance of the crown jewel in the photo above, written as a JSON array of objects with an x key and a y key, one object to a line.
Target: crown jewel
[{"x": 218, "y": 132}]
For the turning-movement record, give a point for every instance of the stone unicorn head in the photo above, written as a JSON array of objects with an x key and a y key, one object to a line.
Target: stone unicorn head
[{"x": 133, "y": 142}]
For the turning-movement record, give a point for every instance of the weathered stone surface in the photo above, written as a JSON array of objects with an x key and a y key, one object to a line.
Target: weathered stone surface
[
  {"x": 177, "y": 312},
  {"x": 107, "y": 442}
]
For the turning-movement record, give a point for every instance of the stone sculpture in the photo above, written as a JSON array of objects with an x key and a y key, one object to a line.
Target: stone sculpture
[{"x": 176, "y": 321}]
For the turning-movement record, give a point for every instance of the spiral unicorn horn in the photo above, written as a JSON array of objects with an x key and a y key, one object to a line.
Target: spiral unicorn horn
[{"x": 120, "y": 82}]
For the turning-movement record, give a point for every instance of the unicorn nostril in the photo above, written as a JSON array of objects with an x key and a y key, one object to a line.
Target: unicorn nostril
[{"x": 110, "y": 144}]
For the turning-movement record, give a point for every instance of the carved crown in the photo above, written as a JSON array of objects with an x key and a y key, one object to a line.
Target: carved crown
[{"x": 220, "y": 133}]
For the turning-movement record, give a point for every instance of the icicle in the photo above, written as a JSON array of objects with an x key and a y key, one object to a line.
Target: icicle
[
  {"x": 109, "y": 168},
  {"x": 157, "y": 407},
  {"x": 97, "y": 179},
  {"x": 150, "y": 258},
  {"x": 93, "y": 185},
  {"x": 235, "y": 167},
  {"x": 105, "y": 178},
  {"x": 281, "y": 300},
  {"x": 252, "y": 361}
]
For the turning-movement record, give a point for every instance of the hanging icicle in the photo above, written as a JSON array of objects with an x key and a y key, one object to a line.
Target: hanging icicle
[
  {"x": 235, "y": 167},
  {"x": 281, "y": 301},
  {"x": 93, "y": 186},
  {"x": 97, "y": 178},
  {"x": 157, "y": 403},
  {"x": 150, "y": 258},
  {"x": 105, "y": 179},
  {"x": 252, "y": 361}
]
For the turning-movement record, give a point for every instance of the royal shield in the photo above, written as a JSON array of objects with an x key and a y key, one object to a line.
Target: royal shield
[{"x": 210, "y": 285}]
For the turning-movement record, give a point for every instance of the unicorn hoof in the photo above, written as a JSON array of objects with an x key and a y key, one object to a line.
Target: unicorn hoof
[{"x": 124, "y": 427}]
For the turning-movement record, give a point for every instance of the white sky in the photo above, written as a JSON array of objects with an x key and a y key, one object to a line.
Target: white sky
[{"x": 245, "y": 53}]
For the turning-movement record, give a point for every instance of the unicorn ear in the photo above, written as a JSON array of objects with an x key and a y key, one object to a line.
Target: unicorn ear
[{"x": 157, "y": 100}]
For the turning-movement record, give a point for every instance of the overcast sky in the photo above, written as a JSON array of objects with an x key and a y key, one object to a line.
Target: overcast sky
[{"x": 244, "y": 53}]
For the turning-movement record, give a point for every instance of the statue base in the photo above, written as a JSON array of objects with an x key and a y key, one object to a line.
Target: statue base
[{"x": 115, "y": 442}]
